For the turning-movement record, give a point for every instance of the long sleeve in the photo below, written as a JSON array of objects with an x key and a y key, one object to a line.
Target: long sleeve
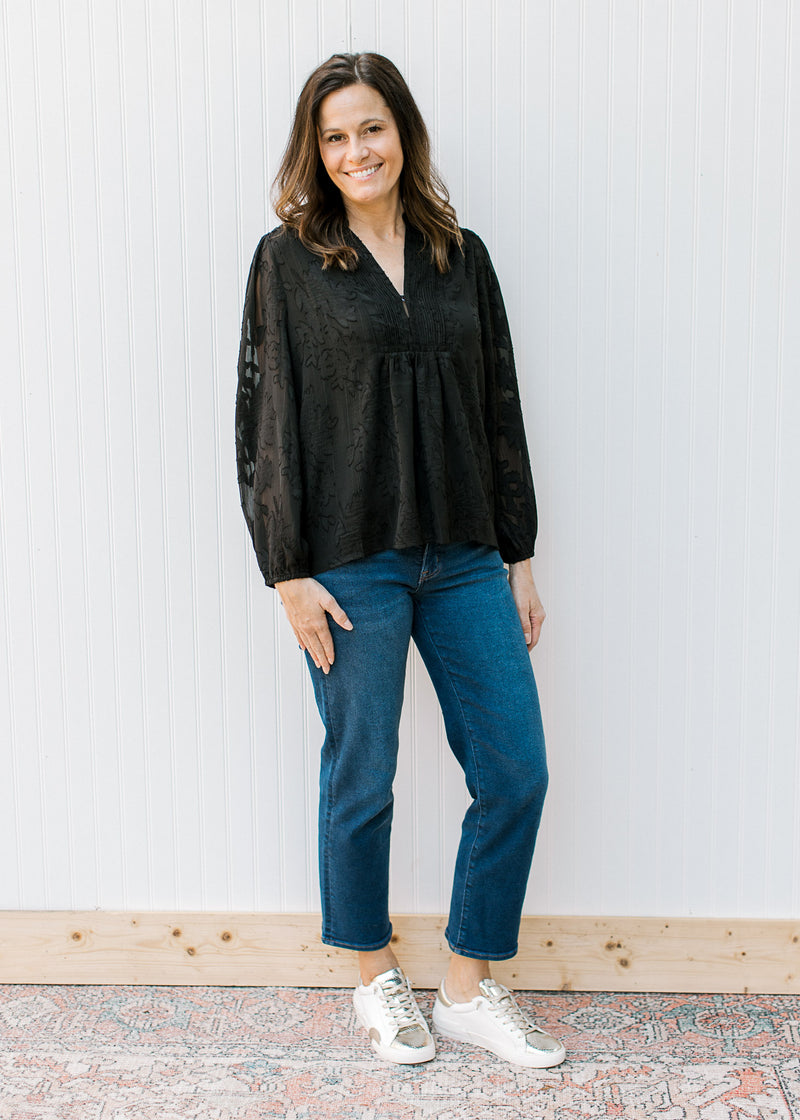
[
  {"x": 364, "y": 423},
  {"x": 515, "y": 513},
  {"x": 267, "y": 438}
]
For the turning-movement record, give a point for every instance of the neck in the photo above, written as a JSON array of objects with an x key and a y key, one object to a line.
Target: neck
[{"x": 384, "y": 222}]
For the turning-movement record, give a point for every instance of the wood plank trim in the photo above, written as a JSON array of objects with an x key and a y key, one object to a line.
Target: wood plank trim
[{"x": 582, "y": 953}]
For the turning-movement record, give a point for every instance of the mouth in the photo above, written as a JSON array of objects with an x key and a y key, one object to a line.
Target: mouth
[{"x": 364, "y": 172}]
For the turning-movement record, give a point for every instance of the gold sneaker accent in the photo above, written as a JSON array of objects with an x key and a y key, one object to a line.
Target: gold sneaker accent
[{"x": 395, "y": 1026}]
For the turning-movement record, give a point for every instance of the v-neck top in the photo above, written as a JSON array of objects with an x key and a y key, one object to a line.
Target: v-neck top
[{"x": 367, "y": 420}]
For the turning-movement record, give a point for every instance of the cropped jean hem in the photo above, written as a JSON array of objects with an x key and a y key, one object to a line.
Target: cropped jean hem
[
  {"x": 480, "y": 954},
  {"x": 339, "y": 944}
]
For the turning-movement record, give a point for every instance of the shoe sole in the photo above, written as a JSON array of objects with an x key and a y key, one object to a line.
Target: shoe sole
[
  {"x": 412, "y": 1059},
  {"x": 530, "y": 1061}
]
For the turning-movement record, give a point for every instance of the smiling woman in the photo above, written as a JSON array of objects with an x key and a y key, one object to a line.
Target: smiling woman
[
  {"x": 361, "y": 151},
  {"x": 310, "y": 200},
  {"x": 385, "y": 480},
  {"x": 360, "y": 146}
]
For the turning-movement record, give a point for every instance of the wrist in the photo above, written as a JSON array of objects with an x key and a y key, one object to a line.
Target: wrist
[{"x": 520, "y": 568}]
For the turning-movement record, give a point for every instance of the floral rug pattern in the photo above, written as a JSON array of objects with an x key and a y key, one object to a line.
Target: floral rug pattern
[{"x": 161, "y": 1053}]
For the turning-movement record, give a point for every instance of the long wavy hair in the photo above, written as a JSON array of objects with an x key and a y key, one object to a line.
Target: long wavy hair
[{"x": 305, "y": 198}]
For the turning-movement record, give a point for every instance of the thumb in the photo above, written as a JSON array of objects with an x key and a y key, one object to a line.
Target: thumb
[{"x": 337, "y": 614}]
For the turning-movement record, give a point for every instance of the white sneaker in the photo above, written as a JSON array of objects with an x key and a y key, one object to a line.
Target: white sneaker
[
  {"x": 496, "y": 1022},
  {"x": 388, "y": 1011}
]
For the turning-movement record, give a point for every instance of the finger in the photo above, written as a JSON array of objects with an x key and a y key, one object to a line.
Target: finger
[
  {"x": 525, "y": 619},
  {"x": 317, "y": 655},
  {"x": 298, "y": 637},
  {"x": 536, "y": 628},
  {"x": 320, "y": 645},
  {"x": 326, "y": 640},
  {"x": 336, "y": 612}
]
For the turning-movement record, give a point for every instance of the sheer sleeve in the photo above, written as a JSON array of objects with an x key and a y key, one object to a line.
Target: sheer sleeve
[
  {"x": 514, "y": 498},
  {"x": 267, "y": 440}
]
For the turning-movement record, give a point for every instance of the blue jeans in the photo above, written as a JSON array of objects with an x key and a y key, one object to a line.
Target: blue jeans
[{"x": 456, "y": 603}]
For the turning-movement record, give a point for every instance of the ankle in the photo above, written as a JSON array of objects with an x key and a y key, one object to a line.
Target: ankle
[
  {"x": 373, "y": 964},
  {"x": 460, "y": 993},
  {"x": 463, "y": 977}
]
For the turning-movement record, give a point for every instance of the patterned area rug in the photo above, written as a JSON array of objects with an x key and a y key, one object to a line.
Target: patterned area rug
[{"x": 159, "y": 1053}]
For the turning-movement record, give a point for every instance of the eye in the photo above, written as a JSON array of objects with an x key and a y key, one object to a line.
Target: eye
[
  {"x": 334, "y": 138},
  {"x": 375, "y": 128}
]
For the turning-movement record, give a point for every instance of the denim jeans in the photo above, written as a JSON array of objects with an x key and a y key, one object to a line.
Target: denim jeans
[{"x": 456, "y": 603}]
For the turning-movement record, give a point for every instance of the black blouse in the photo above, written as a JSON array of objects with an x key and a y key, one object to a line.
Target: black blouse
[{"x": 367, "y": 420}]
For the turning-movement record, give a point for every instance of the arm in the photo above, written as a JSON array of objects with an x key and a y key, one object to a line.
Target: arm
[
  {"x": 516, "y": 520},
  {"x": 269, "y": 462},
  {"x": 515, "y": 514},
  {"x": 267, "y": 437}
]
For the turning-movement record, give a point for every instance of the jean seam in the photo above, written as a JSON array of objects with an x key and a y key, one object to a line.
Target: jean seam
[
  {"x": 467, "y": 877},
  {"x": 426, "y": 574},
  {"x": 327, "y": 901},
  {"x": 421, "y": 576}
]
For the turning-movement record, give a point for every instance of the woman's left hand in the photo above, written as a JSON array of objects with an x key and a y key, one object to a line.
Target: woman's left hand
[{"x": 529, "y": 605}]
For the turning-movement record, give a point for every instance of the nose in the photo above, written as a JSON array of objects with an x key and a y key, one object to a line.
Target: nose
[{"x": 358, "y": 150}]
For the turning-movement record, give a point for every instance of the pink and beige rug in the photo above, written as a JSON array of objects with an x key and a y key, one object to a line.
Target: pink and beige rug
[{"x": 158, "y": 1053}]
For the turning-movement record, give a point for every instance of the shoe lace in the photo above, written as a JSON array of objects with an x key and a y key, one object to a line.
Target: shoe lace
[
  {"x": 509, "y": 1012},
  {"x": 400, "y": 1002}
]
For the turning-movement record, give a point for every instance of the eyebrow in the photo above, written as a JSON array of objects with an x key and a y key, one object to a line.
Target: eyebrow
[{"x": 369, "y": 120}]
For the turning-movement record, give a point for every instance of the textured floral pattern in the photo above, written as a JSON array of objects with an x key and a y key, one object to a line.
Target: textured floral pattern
[
  {"x": 367, "y": 421},
  {"x": 139, "y": 1053}
]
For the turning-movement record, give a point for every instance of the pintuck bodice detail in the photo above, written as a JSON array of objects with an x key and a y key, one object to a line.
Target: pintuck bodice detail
[{"x": 367, "y": 420}]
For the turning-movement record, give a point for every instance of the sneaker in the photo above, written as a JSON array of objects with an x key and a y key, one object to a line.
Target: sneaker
[
  {"x": 495, "y": 1021},
  {"x": 388, "y": 1011}
]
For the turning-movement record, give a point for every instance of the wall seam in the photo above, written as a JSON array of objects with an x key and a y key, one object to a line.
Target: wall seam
[
  {"x": 15, "y": 744},
  {"x": 187, "y": 381},
  {"x": 46, "y": 322}
]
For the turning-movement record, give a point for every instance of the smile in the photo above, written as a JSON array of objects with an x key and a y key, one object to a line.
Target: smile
[{"x": 365, "y": 173}]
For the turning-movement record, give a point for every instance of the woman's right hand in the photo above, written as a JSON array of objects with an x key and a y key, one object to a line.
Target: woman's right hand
[{"x": 307, "y": 606}]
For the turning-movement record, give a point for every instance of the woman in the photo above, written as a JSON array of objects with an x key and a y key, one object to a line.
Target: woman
[{"x": 385, "y": 479}]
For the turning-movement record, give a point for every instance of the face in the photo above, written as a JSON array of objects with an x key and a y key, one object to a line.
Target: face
[{"x": 360, "y": 145}]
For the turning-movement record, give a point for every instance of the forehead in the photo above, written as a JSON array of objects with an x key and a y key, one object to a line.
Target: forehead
[{"x": 351, "y": 106}]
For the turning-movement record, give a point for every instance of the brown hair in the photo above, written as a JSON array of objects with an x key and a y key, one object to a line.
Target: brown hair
[{"x": 306, "y": 199}]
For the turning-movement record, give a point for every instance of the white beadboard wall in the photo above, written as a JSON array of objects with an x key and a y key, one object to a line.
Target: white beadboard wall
[{"x": 635, "y": 170}]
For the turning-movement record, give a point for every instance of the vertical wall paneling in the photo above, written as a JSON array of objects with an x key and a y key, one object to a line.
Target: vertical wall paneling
[
  {"x": 631, "y": 167},
  {"x": 787, "y": 585},
  {"x": 15, "y": 590}
]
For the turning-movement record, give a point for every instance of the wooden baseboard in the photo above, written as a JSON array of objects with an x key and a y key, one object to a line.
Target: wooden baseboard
[{"x": 578, "y": 953}]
